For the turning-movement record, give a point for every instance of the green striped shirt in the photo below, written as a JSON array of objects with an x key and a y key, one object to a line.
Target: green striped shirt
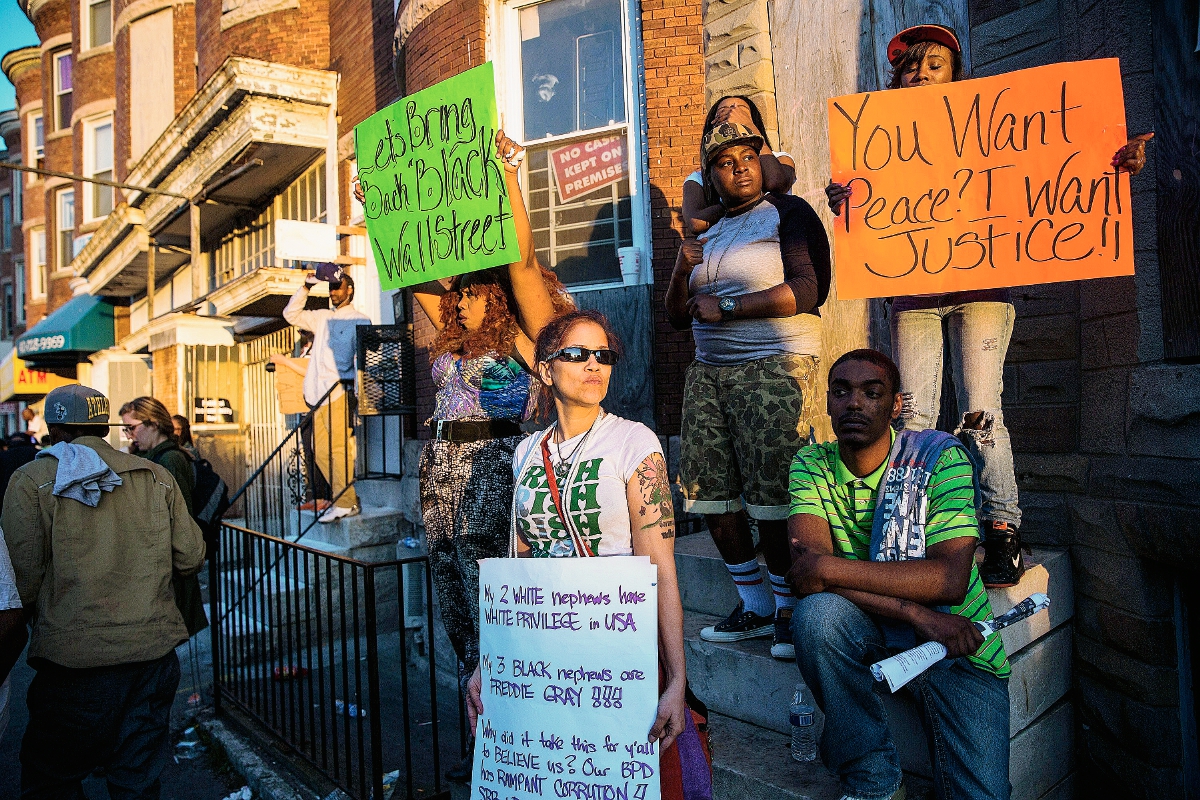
[{"x": 821, "y": 485}]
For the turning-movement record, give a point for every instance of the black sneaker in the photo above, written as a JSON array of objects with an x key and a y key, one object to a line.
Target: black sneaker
[
  {"x": 741, "y": 624},
  {"x": 782, "y": 648},
  {"x": 1003, "y": 564}
]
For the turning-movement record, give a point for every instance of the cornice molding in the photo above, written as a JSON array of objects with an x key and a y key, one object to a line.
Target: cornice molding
[{"x": 18, "y": 62}]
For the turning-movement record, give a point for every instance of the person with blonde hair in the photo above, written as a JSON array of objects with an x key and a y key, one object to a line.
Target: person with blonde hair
[{"x": 148, "y": 423}]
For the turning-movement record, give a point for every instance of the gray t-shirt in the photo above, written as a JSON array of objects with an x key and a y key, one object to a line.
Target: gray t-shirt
[{"x": 781, "y": 239}]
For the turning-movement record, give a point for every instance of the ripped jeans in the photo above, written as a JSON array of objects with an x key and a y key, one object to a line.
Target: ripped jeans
[{"x": 978, "y": 334}]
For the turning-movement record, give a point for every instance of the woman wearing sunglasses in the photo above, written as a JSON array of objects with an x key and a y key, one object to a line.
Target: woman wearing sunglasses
[{"x": 612, "y": 473}]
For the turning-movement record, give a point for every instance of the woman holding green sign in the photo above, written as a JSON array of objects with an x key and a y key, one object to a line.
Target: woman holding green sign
[
  {"x": 486, "y": 324},
  {"x": 977, "y": 326}
]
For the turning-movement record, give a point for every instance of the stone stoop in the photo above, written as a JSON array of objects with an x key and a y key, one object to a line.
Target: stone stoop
[{"x": 749, "y": 691}]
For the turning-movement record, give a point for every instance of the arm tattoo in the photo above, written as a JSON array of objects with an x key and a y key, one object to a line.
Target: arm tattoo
[{"x": 654, "y": 488}]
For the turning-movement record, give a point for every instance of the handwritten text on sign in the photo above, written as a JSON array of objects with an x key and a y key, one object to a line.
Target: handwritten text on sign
[
  {"x": 583, "y": 167},
  {"x": 568, "y": 651},
  {"x": 435, "y": 199},
  {"x": 1002, "y": 181}
]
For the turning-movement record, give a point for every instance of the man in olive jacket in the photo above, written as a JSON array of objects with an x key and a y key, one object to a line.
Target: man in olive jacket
[{"x": 94, "y": 536}]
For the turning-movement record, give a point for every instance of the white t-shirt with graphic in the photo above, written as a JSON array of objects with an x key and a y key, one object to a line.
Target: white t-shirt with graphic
[{"x": 596, "y": 500}]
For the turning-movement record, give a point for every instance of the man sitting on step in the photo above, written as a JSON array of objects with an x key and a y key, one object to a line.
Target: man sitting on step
[{"x": 872, "y": 584}]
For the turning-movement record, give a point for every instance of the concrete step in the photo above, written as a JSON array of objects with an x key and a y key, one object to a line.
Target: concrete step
[
  {"x": 753, "y": 763},
  {"x": 705, "y": 587},
  {"x": 372, "y": 527}
]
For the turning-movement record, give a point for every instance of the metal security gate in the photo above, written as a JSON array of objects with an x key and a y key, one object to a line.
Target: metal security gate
[{"x": 264, "y": 426}]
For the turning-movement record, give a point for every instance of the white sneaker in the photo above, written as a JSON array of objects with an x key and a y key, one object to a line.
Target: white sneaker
[{"x": 337, "y": 512}]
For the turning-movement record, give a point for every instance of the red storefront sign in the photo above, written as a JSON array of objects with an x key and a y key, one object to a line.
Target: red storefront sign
[{"x": 584, "y": 167}]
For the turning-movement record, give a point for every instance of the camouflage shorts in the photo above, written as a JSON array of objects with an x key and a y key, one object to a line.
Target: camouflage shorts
[{"x": 742, "y": 425}]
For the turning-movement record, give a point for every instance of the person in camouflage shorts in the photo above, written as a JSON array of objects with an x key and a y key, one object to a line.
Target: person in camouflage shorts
[
  {"x": 750, "y": 291},
  {"x": 744, "y": 426}
]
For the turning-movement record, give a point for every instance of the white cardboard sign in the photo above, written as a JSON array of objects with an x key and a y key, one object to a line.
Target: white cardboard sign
[
  {"x": 305, "y": 241},
  {"x": 569, "y": 660}
]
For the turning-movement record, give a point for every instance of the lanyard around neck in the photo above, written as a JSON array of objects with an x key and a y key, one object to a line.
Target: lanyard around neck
[{"x": 582, "y": 548}]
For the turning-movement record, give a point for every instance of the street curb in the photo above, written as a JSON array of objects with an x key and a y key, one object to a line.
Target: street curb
[{"x": 265, "y": 780}]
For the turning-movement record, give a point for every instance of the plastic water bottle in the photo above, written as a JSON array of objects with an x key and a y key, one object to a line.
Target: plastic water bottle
[{"x": 804, "y": 731}]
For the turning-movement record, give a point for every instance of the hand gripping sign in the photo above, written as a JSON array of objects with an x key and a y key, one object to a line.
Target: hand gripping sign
[
  {"x": 435, "y": 196},
  {"x": 568, "y": 653},
  {"x": 985, "y": 183}
]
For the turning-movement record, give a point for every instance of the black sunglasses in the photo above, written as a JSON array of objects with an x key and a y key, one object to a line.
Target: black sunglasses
[{"x": 578, "y": 355}]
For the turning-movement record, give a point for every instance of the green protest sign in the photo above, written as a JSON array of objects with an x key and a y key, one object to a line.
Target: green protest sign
[{"x": 435, "y": 197}]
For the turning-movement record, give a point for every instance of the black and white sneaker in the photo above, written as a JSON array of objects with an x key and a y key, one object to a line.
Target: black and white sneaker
[
  {"x": 782, "y": 648},
  {"x": 739, "y": 625}
]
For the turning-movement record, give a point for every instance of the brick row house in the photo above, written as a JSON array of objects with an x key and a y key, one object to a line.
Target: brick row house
[
  {"x": 1101, "y": 377},
  {"x": 219, "y": 118}
]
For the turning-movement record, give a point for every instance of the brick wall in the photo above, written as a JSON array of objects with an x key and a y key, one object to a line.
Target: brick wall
[
  {"x": 672, "y": 35},
  {"x": 28, "y": 87},
  {"x": 295, "y": 36},
  {"x": 1105, "y": 457},
  {"x": 362, "y": 54}
]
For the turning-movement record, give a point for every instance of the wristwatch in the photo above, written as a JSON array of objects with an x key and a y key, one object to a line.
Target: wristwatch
[{"x": 727, "y": 305}]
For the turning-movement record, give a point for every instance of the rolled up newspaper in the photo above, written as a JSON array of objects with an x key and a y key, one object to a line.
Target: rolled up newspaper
[{"x": 903, "y": 667}]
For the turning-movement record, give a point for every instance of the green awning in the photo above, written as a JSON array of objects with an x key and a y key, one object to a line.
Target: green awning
[{"x": 78, "y": 328}]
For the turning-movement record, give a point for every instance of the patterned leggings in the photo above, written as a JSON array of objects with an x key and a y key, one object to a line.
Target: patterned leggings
[{"x": 466, "y": 502}]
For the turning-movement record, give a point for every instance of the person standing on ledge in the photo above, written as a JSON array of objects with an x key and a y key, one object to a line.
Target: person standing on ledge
[
  {"x": 331, "y": 366},
  {"x": 977, "y": 326},
  {"x": 750, "y": 291}
]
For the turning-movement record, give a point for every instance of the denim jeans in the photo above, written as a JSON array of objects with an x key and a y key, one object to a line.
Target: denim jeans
[
  {"x": 978, "y": 336},
  {"x": 964, "y": 710}
]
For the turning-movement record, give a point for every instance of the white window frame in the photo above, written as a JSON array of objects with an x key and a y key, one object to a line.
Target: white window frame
[
  {"x": 37, "y": 152},
  {"x": 510, "y": 98},
  {"x": 85, "y": 24},
  {"x": 37, "y": 262},
  {"x": 61, "y": 259},
  {"x": 59, "y": 91},
  {"x": 89, "y": 167}
]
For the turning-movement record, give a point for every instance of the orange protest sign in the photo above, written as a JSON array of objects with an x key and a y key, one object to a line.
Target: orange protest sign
[{"x": 979, "y": 184}]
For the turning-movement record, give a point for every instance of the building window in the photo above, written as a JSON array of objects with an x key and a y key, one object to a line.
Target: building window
[
  {"x": 6, "y": 222},
  {"x": 10, "y": 310},
  {"x": 245, "y": 249},
  {"x": 37, "y": 153},
  {"x": 63, "y": 98},
  {"x": 98, "y": 14},
  {"x": 37, "y": 263},
  {"x": 19, "y": 278},
  {"x": 65, "y": 226},
  {"x": 575, "y": 98},
  {"x": 212, "y": 383},
  {"x": 98, "y": 163},
  {"x": 18, "y": 194}
]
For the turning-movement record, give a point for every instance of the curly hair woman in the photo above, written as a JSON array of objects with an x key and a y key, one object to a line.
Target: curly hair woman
[{"x": 487, "y": 323}]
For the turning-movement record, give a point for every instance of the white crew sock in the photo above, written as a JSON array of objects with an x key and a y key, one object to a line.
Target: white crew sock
[
  {"x": 754, "y": 591},
  {"x": 782, "y": 591}
]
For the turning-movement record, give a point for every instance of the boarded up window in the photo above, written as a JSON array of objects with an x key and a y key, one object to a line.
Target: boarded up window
[{"x": 152, "y": 80}]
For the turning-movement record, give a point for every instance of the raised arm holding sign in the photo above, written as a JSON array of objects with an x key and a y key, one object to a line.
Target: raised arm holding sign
[{"x": 953, "y": 191}]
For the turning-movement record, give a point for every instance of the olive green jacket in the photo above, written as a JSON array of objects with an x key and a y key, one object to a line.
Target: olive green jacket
[{"x": 99, "y": 579}]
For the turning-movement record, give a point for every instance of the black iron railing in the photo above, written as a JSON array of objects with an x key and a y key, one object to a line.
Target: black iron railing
[{"x": 323, "y": 651}]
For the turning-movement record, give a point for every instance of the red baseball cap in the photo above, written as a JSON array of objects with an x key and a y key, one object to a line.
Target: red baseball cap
[{"x": 906, "y": 38}]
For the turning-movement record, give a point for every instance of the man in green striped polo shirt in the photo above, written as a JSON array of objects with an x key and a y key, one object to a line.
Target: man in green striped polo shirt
[{"x": 852, "y": 607}]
